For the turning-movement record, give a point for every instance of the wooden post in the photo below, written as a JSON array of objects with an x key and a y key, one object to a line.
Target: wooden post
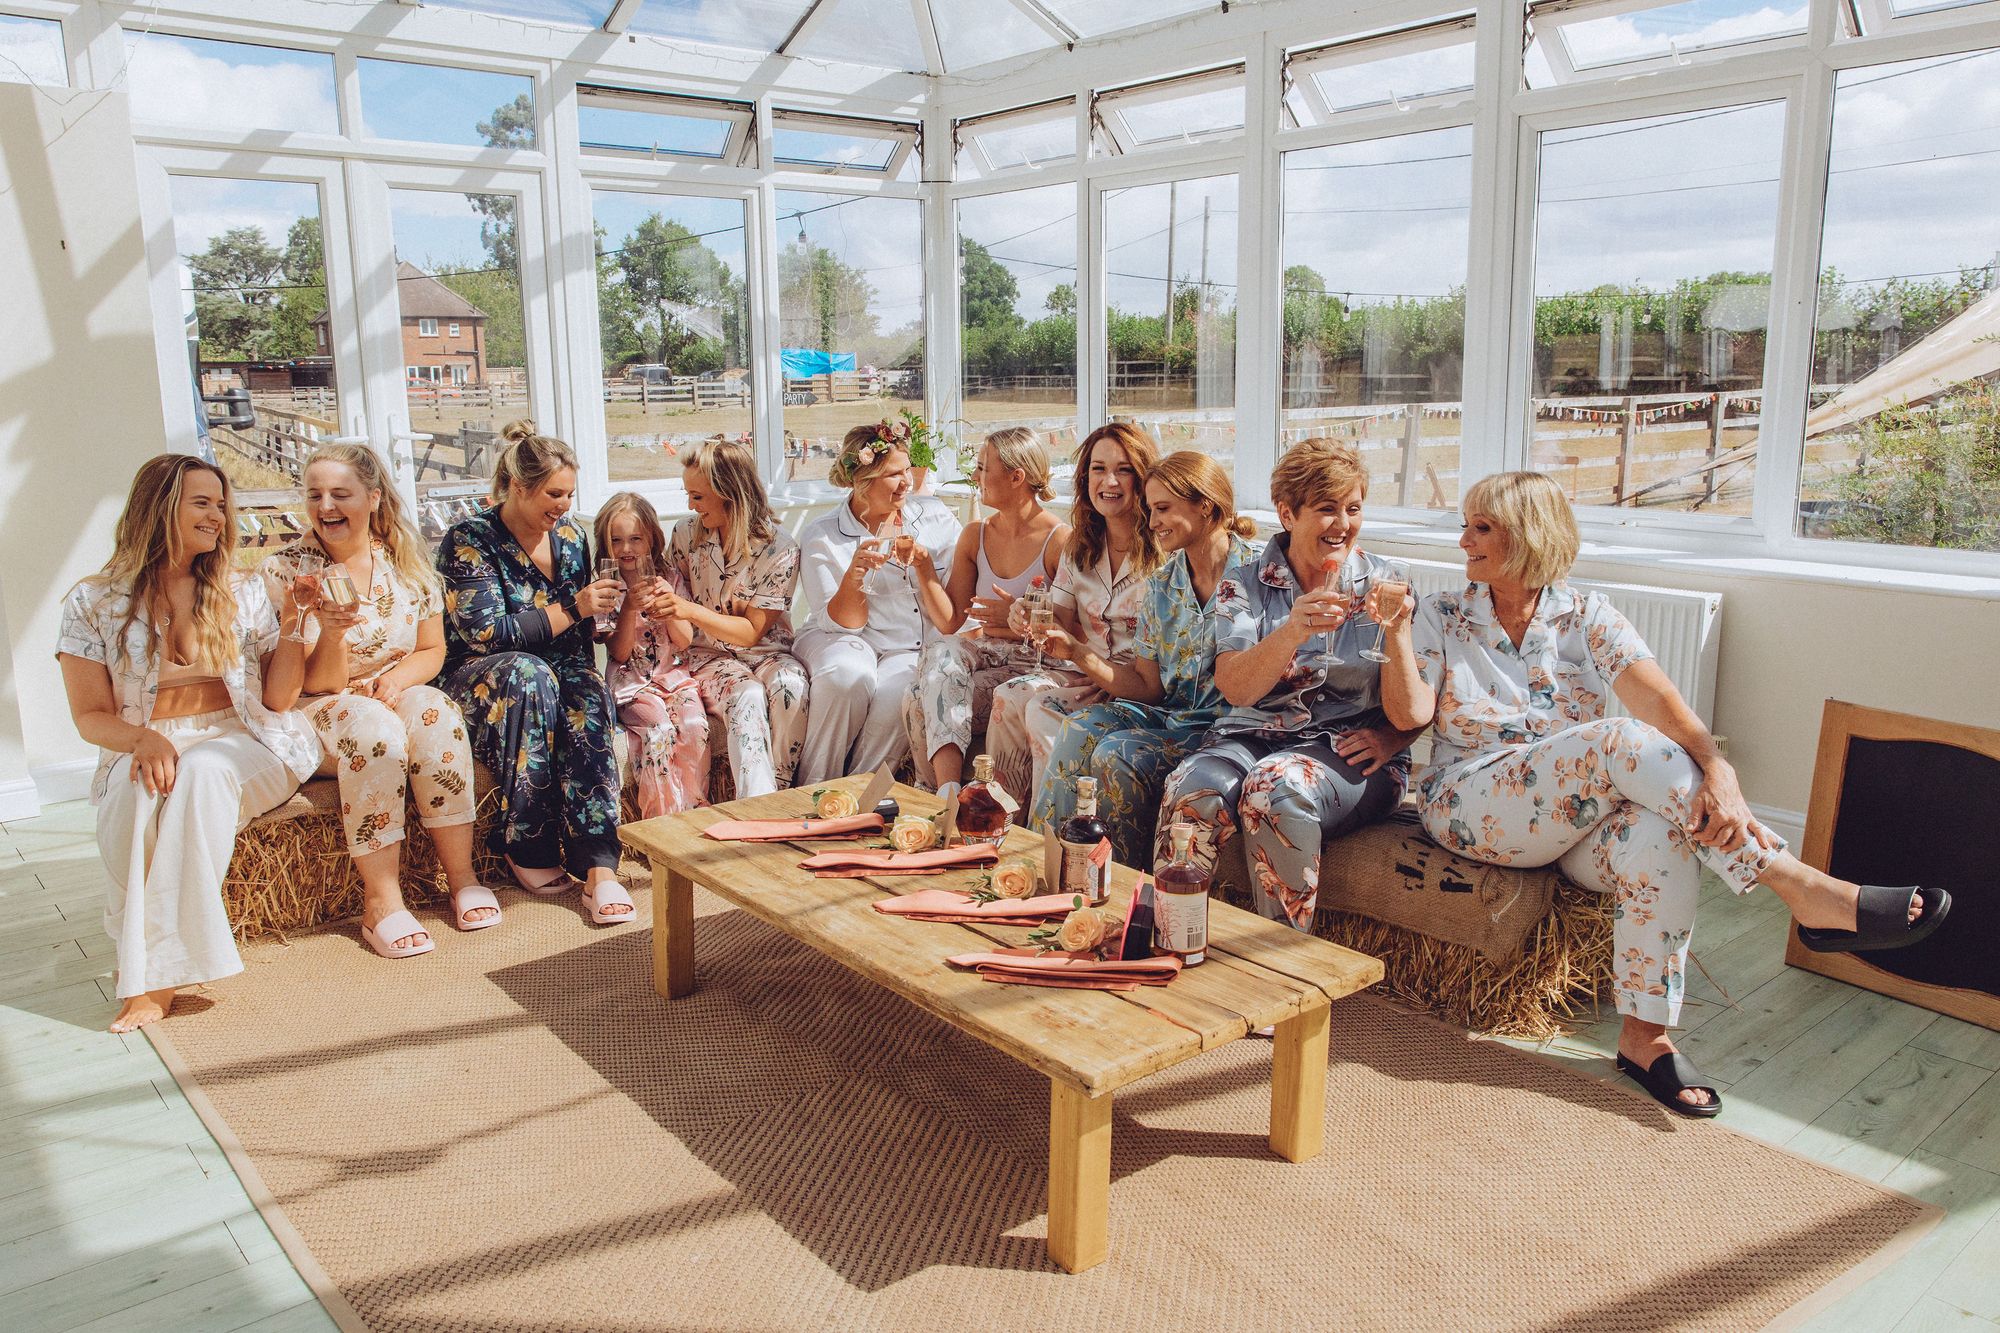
[
  {"x": 1628, "y": 435},
  {"x": 1413, "y": 438},
  {"x": 1716, "y": 416},
  {"x": 645, "y": 396},
  {"x": 1298, "y": 1084},
  {"x": 1079, "y": 1176}
]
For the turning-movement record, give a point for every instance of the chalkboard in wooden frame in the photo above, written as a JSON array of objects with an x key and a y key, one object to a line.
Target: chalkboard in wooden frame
[{"x": 1899, "y": 799}]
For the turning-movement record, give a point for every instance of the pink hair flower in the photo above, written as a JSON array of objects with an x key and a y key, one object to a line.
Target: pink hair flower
[{"x": 866, "y": 456}]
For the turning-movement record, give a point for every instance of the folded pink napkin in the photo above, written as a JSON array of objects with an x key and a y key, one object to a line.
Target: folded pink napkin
[
  {"x": 950, "y": 905},
  {"x": 870, "y": 865},
  {"x": 788, "y": 830},
  {"x": 1025, "y": 967}
]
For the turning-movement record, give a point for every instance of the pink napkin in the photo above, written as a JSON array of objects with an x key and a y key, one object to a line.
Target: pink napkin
[
  {"x": 788, "y": 830},
  {"x": 1025, "y": 967},
  {"x": 950, "y": 905},
  {"x": 869, "y": 865}
]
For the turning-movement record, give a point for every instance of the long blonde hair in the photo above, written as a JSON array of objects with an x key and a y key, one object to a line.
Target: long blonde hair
[
  {"x": 530, "y": 458},
  {"x": 1200, "y": 480},
  {"x": 389, "y": 525},
  {"x": 640, "y": 508},
  {"x": 1089, "y": 535},
  {"x": 730, "y": 470},
  {"x": 148, "y": 540}
]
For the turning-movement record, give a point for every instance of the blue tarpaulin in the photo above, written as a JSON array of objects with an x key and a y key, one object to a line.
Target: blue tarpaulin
[{"x": 800, "y": 362}]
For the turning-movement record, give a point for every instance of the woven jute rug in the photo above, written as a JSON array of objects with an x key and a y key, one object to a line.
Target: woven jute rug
[{"x": 515, "y": 1133}]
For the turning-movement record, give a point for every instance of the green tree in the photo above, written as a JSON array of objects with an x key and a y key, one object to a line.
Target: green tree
[
  {"x": 617, "y": 315},
  {"x": 679, "y": 288},
  {"x": 236, "y": 280},
  {"x": 512, "y": 125},
  {"x": 1929, "y": 475},
  {"x": 828, "y": 302},
  {"x": 304, "y": 299},
  {"x": 986, "y": 288},
  {"x": 1061, "y": 300}
]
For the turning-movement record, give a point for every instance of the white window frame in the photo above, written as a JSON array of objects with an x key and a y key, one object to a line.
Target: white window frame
[
  {"x": 739, "y": 147},
  {"x": 1302, "y": 64},
  {"x": 427, "y": 328}
]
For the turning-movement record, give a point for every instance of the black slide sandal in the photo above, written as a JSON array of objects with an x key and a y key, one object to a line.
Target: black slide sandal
[
  {"x": 1671, "y": 1075},
  {"x": 1883, "y": 920}
]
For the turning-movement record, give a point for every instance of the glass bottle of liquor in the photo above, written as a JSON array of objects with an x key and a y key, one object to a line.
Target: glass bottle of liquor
[
  {"x": 1084, "y": 871},
  {"x": 982, "y": 806},
  {"x": 1181, "y": 902}
]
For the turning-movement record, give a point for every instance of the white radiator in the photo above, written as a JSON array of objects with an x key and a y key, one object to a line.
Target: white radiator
[{"x": 1682, "y": 627}]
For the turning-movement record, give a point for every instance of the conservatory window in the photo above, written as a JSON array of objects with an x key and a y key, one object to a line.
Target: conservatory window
[
  {"x": 229, "y": 86},
  {"x": 624, "y": 121},
  {"x": 1903, "y": 411},
  {"x": 1382, "y": 74},
  {"x": 673, "y": 313},
  {"x": 1094, "y": 18},
  {"x": 1187, "y": 108},
  {"x": 1869, "y": 17},
  {"x": 1170, "y": 328},
  {"x": 1375, "y": 245},
  {"x": 444, "y": 104},
  {"x": 845, "y": 145},
  {"x": 1573, "y": 40},
  {"x": 753, "y": 25},
  {"x": 1017, "y": 312},
  {"x": 31, "y": 51},
  {"x": 1652, "y": 301},
  {"x": 1032, "y": 136},
  {"x": 850, "y": 316}
]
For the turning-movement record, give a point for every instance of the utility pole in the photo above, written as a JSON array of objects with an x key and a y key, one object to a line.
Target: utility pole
[{"x": 1172, "y": 191}]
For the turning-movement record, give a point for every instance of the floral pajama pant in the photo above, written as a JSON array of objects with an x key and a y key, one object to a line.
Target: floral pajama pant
[
  {"x": 1021, "y": 730},
  {"x": 545, "y": 731},
  {"x": 1130, "y": 749},
  {"x": 1609, "y": 802},
  {"x": 379, "y": 755},
  {"x": 666, "y": 742},
  {"x": 762, "y": 709},
  {"x": 1289, "y": 799},
  {"x": 956, "y": 678}
]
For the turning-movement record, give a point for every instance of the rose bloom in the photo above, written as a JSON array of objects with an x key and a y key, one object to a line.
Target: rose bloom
[
  {"x": 912, "y": 833},
  {"x": 1082, "y": 929},
  {"x": 835, "y": 804},
  {"x": 1014, "y": 879}
]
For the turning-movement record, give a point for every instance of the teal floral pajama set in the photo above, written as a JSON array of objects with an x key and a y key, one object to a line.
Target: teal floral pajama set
[
  {"x": 1527, "y": 770},
  {"x": 540, "y": 715},
  {"x": 1130, "y": 748},
  {"x": 1269, "y": 771}
]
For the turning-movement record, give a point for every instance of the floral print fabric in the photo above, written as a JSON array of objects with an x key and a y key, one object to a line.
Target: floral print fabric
[
  {"x": 379, "y": 754},
  {"x": 764, "y": 578},
  {"x": 391, "y": 609},
  {"x": 666, "y": 725}
]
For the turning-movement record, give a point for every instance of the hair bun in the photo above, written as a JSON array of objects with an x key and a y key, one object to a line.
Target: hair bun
[{"x": 516, "y": 431}]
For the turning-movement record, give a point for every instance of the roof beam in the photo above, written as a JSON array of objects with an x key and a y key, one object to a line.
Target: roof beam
[
  {"x": 927, "y": 36},
  {"x": 1046, "y": 20},
  {"x": 809, "y": 22},
  {"x": 621, "y": 16}
]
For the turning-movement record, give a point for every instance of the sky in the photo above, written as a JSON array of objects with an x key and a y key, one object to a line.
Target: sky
[
  {"x": 882, "y": 237},
  {"x": 1032, "y": 233},
  {"x": 31, "y": 51}
]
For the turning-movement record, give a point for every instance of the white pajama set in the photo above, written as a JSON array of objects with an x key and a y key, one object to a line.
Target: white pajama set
[
  {"x": 860, "y": 676},
  {"x": 166, "y": 856},
  {"x": 1526, "y": 770}
]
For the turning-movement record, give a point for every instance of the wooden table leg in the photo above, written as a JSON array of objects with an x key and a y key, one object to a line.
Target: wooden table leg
[
  {"x": 1079, "y": 1177},
  {"x": 673, "y": 933},
  {"x": 1298, "y": 1085}
]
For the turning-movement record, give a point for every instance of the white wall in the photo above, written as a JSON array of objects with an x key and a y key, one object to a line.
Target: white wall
[{"x": 80, "y": 396}]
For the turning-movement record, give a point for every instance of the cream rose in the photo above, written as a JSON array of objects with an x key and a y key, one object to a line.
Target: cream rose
[
  {"x": 1082, "y": 929},
  {"x": 912, "y": 833},
  {"x": 1014, "y": 879},
  {"x": 835, "y": 803}
]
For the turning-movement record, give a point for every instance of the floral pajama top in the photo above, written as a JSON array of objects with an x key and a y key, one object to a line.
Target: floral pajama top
[
  {"x": 391, "y": 609},
  {"x": 764, "y": 578}
]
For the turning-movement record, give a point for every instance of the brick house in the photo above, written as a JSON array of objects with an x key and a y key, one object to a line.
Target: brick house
[{"x": 444, "y": 335}]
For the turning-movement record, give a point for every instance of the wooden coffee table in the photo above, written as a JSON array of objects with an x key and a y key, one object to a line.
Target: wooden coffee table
[{"x": 1088, "y": 1043}]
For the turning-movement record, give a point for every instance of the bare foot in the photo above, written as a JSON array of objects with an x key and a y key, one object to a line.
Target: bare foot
[
  {"x": 1642, "y": 1043},
  {"x": 140, "y": 1010},
  {"x": 598, "y": 877},
  {"x": 372, "y": 913}
]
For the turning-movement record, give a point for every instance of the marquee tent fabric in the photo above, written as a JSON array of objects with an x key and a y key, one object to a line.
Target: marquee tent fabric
[
  {"x": 803, "y": 362},
  {"x": 1961, "y": 349}
]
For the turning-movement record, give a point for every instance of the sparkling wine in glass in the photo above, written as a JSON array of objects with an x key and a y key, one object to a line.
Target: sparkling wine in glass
[
  {"x": 338, "y": 588},
  {"x": 1334, "y": 577},
  {"x": 1041, "y": 619},
  {"x": 607, "y": 623},
  {"x": 304, "y": 590},
  {"x": 1391, "y": 586}
]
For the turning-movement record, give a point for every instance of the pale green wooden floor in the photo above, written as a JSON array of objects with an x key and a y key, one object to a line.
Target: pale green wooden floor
[{"x": 117, "y": 1210}]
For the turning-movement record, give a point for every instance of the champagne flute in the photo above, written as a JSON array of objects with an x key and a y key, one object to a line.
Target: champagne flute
[
  {"x": 1335, "y": 576},
  {"x": 1041, "y": 619},
  {"x": 307, "y": 567},
  {"x": 338, "y": 586},
  {"x": 605, "y": 625},
  {"x": 1390, "y": 587}
]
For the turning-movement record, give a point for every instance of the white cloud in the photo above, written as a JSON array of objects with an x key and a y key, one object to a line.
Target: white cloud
[{"x": 175, "y": 83}]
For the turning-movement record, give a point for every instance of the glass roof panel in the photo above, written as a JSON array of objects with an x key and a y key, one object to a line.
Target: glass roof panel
[
  {"x": 650, "y": 131},
  {"x": 1444, "y": 69},
  {"x": 1680, "y": 29},
  {"x": 820, "y": 148},
  {"x": 973, "y": 34},
  {"x": 1094, "y": 18},
  {"x": 1210, "y": 111},
  {"x": 567, "y": 13},
  {"x": 756, "y": 25},
  {"x": 869, "y": 32},
  {"x": 31, "y": 51}
]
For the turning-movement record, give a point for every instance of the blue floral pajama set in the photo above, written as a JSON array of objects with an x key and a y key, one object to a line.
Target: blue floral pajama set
[
  {"x": 1527, "y": 770},
  {"x": 540, "y": 715},
  {"x": 1270, "y": 769},
  {"x": 1130, "y": 748}
]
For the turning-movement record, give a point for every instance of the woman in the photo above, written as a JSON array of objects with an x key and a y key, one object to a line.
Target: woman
[
  {"x": 1303, "y": 755},
  {"x": 738, "y": 569},
  {"x": 382, "y": 725},
  {"x": 1095, "y": 593},
  {"x": 519, "y": 659},
  {"x": 1527, "y": 770},
  {"x": 872, "y": 610},
  {"x": 957, "y": 674},
  {"x": 1164, "y": 699},
  {"x": 181, "y": 674}
]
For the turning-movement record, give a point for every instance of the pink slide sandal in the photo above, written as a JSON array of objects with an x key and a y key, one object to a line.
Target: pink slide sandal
[
  {"x": 546, "y": 883},
  {"x": 470, "y": 899},
  {"x": 609, "y": 894},
  {"x": 396, "y": 926}
]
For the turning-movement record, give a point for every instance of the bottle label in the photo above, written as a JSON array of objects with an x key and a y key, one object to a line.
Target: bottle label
[
  {"x": 1180, "y": 921},
  {"x": 1084, "y": 871}
]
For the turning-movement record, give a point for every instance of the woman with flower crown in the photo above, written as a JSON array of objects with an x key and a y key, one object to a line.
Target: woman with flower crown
[{"x": 875, "y": 597}]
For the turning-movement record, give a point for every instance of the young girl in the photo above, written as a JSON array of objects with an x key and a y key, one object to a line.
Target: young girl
[{"x": 659, "y": 704}]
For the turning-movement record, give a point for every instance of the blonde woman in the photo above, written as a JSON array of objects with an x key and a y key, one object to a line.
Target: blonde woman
[
  {"x": 183, "y": 676},
  {"x": 520, "y": 602},
  {"x": 1165, "y": 698},
  {"x": 732, "y": 572},
  {"x": 1526, "y": 770},
  {"x": 870, "y": 570},
  {"x": 1098, "y": 586},
  {"x": 981, "y": 649},
  {"x": 385, "y": 729}
]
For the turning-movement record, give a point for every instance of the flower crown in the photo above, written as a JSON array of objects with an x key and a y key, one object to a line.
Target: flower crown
[{"x": 888, "y": 435}]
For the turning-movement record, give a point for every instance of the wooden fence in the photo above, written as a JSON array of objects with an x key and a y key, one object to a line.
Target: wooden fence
[{"x": 694, "y": 393}]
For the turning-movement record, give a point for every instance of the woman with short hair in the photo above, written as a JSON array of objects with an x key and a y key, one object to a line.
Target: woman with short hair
[
  {"x": 1164, "y": 699},
  {"x": 1526, "y": 770},
  {"x": 980, "y": 649},
  {"x": 520, "y": 606},
  {"x": 870, "y": 570},
  {"x": 183, "y": 676}
]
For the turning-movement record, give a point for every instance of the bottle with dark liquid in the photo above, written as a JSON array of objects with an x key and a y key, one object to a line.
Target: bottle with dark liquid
[
  {"x": 982, "y": 817},
  {"x": 1080, "y": 835},
  {"x": 1181, "y": 904}
]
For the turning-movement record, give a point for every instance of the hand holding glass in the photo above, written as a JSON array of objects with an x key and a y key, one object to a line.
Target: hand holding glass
[
  {"x": 1391, "y": 586},
  {"x": 303, "y": 588},
  {"x": 607, "y": 623}
]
